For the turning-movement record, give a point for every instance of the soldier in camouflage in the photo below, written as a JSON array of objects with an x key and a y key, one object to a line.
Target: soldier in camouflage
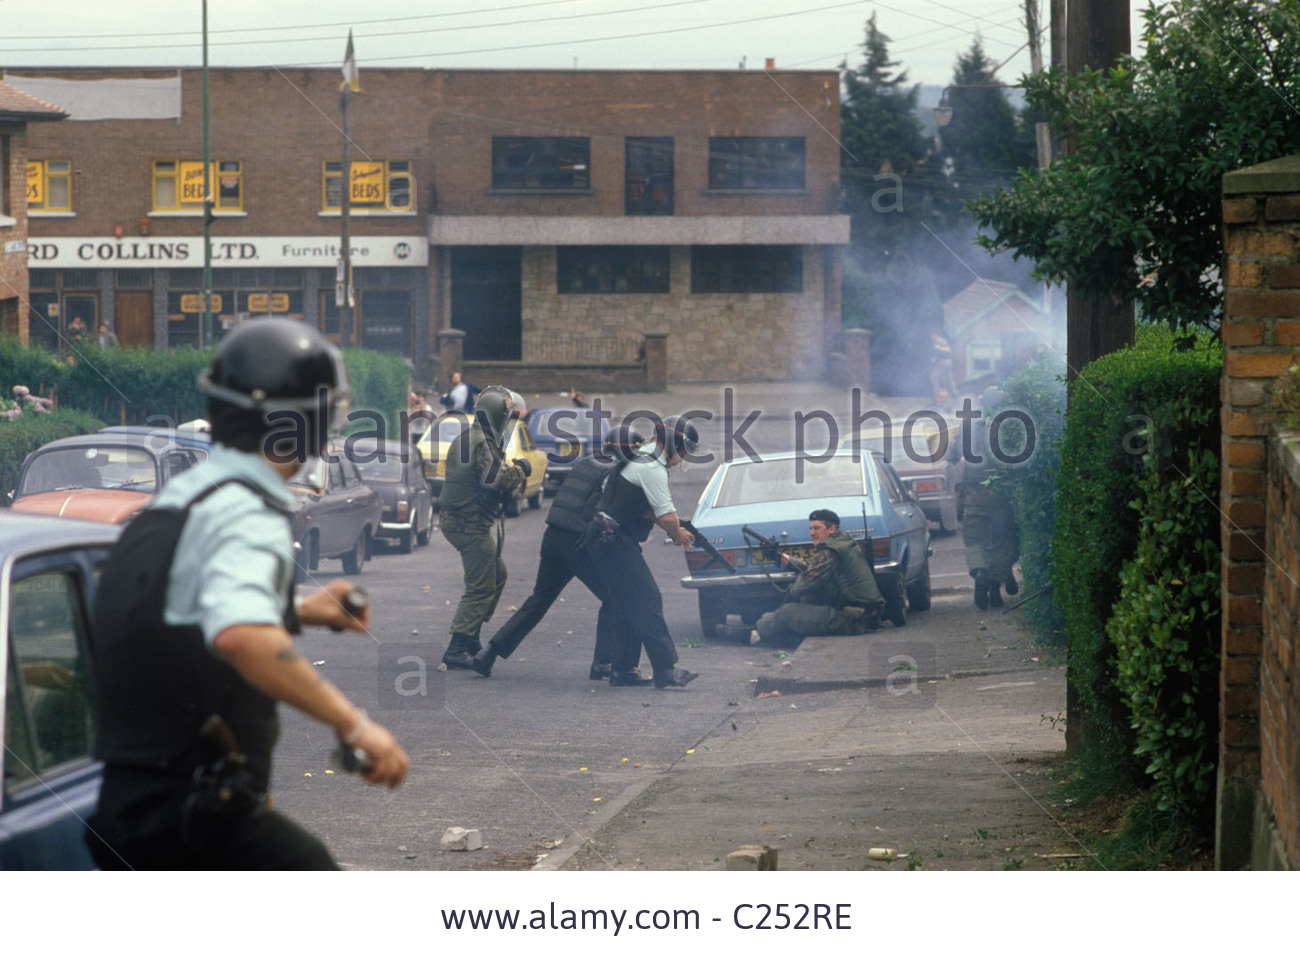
[
  {"x": 835, "y": 593},
  {"x": 988, "y": 521},
  {"x": 479, "y": 482}
]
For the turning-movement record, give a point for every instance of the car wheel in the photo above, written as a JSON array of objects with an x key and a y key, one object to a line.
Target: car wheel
[
  {"x": 406, "y": 539},
  {"x": 713, "y": 615},
  {"x": 918, "y": 592},
  {"x": 535, "y": 501},
  {"x": 355, "y": 558},
  {"x": 891, "y": 588},
  {"x": 512, "y": 506},
  {"x": 422, "y": 538}
]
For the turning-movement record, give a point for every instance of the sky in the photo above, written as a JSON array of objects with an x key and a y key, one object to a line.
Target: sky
[{"x": 927, "y": 35}]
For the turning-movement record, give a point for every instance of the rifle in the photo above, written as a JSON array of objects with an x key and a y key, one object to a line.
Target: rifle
[
  {"x": 708, "y": 548},
  {"x": 1033, "y": 596},
  {"x": 769, "y": 545}
]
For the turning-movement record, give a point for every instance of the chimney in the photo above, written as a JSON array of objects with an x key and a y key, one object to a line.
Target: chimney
[{"x": 771, "y": 64}]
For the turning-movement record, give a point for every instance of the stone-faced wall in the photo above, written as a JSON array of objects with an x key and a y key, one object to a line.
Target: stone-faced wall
[
  {"x": 1258, "y": 714},
  {"x": 711, "y": 337}
]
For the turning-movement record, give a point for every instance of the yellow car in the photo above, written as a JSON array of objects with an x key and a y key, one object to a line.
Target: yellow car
[{"x": 519, "y": 446}]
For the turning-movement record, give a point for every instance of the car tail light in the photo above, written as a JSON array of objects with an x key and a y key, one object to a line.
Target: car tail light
[
  {"x": 932, "y": 485},
  {"x": 403, "y": 511},
  {"x": 880, "y": 548},
  {"x": 699, "y": 560}
]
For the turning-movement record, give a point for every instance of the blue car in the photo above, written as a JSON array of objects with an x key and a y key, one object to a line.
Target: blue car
[
  {"x": 566, "y": 435},
  {"x": 51, "y": 783},
  {"x": 772, "y": 497}
]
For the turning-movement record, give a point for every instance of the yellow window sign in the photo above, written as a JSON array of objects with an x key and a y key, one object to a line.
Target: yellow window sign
[
  {"x": 193, "y": 303},
  {"x": 191, "y": 177},
  {"x": 268, "y": 303},
  {"x": 35, "y": 182},
  {"x": 367, "y": 182}
]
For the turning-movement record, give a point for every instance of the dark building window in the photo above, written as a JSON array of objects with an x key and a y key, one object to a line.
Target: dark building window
[
  {"x": 612, "y": 270},
  {"x": 648, "y": 176},
  {"x": 541, "y": 163},
  {"x": 756, "y": 163},
  {"x": 747, "y": 269}
]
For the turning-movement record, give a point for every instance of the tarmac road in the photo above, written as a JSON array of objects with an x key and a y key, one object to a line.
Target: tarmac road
[{"x": 558, "y": 771}]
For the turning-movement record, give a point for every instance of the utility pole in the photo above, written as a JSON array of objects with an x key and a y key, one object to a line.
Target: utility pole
[
  {"x": 1042, "y": 136},
  {"x": 1096, "y": 35},
  {"x": 205, "y": 309},
  {"x": 344, "y": 298}
]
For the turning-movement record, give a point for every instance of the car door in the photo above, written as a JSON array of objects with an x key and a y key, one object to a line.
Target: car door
[
  {"x": 51, "y": 780},
  {"x": 338, "y": 526}
]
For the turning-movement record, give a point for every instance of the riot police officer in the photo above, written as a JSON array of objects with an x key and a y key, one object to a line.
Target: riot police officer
[
  {"x": 193, "y": 625},
  {"x": 564, "y": 558},
  {"x": 479, "y": 482},
  {"x": 636, "y": 499}
]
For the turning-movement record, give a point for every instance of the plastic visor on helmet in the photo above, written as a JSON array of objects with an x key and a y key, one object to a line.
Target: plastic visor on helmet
[
  {"x": 685, "y": 438},
  {"x": 494, "y": 405},
  {"x": 279, "y": 366}
]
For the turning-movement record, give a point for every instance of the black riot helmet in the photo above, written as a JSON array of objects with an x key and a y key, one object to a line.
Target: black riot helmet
[
  {"x": 271, "y": 376},
  {"x": 621, "y": 447},
  {"x": 678, "y": 436}
]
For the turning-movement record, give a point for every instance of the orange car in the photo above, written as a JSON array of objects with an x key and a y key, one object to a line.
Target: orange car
[{"x": 104, "y": 477}]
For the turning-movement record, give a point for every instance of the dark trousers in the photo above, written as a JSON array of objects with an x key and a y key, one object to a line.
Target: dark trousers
[
  {"x": 138, "y": 827},
  {"x": 562, "y": 559},
  {"x": 638, "y": 605}
]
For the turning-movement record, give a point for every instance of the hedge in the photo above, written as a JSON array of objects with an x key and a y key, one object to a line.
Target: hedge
[
  {"x": 1121, "y": 405},
  {"x": 143, "y": 385}
]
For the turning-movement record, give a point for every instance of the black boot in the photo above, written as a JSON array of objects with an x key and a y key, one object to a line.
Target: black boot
[
  {"x": 483, "y": 660},
  {"x": 600, "y": 671},
  {"x": 673, "y": 677},
  {"x": 995, "y": 594},
  {"x": 1012, "y": 587},
  {"x": 981, "y": 589},
  {"x": 460, "y": 652}
]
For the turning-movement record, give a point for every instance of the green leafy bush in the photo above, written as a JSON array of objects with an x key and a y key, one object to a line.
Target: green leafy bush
[
  {"x": 1037, "y": 389},
  {"x": 1120, "y": 404},
  {"x": 21, "y": 436},
  {"x": 144, "y": 385},
  {"x": 1165, "y": 627}
]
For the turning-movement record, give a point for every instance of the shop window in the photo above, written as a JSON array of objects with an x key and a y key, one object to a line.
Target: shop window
[
  {"x": 612, "y": 270},
  {"x": 756, "y": 163},
  {"x": 178, "y": 186},
  {"x": 374, "y": 185},
  {"x": 746, "y": 269},
  {"x": 541, "y": 163},
  {"x": 49, "y": 186}
]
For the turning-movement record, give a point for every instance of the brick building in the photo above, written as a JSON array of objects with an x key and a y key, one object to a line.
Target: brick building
[
  {"x": 558, "y": 218},
  {"x": 17, "y": 110}
]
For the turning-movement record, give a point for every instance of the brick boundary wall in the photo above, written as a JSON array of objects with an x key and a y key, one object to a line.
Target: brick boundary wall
[{"x": 1261, "y": 338}]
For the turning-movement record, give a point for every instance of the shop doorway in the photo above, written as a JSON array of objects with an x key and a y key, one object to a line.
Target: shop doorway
[
  {"x": 135, "y": 318},
  {"x": 486, "y": 301}
]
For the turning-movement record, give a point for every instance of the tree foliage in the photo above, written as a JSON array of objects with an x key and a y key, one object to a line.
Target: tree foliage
[{"x": 1135, "y": 208}]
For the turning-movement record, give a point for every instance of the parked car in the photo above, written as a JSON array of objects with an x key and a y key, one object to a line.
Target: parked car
[
  {"x": 566, "y": 435},
  {"x": 519, "y": 445},
  {"x": 774, "y": 497},
  {"x": 107, "y": 477},
  {"x": 395, "y": 470},
  {"x": 925, "y": 459},
  {"x": 337, "y": 515},
  {"x": 48, "y": 573},
  {"x": 198, "y": 440}
]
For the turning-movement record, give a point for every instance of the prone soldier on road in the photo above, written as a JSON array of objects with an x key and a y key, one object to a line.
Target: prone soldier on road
[
  {"x": 834, "y": 593},
  {"x": 564, "y": 558},
  {"x": 636, "y": 499},
  {"x": 193, "y": 623},
  {"x": 479, "y": 482}
]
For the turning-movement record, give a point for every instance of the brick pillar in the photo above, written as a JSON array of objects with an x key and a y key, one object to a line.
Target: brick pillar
[
  {"x": 656, "y": 361},
  {"x": 1261, "y": 338},
  {"x": 857, "y": 350},
  {"x": 451, "y": 353}
]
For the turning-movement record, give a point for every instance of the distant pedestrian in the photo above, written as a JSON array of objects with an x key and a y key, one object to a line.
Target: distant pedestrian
[
  {"x": 77, "y": 331},
  {"x": 107, "y": 338},
  {"x": 461, "y": 396}
]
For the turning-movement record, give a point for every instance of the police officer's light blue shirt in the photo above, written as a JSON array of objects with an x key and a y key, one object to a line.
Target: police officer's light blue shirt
[
  {"x": 234, "y": 560},
  {"x": 649, "y": 471}
]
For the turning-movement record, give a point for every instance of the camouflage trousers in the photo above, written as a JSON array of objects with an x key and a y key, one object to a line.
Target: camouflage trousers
[
  {"x": 991, "y": 537},
  {"x": 485, "y": 574},
  {"x": 801, "y": 620}
]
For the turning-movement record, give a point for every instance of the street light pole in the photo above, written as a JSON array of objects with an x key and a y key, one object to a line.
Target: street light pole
[{"x": 205, "y": 309}]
